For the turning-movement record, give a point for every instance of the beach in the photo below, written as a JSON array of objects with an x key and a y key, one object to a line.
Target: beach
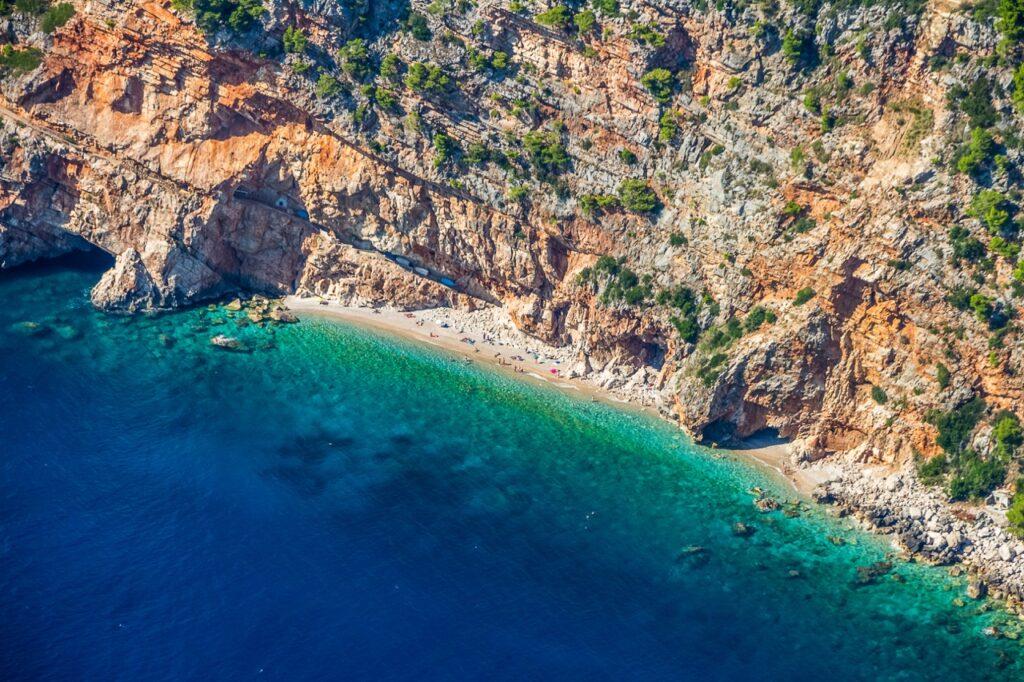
[{"x": 487, "y": 336}]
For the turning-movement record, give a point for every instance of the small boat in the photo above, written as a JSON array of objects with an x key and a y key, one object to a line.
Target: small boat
[
  {"x": 450, "y": 283},
  {"x": 422, "y": 272},
  {"x": 404, "y": 262}
]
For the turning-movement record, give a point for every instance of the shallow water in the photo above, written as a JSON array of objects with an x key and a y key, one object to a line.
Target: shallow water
[{"x": 337, "y": 504}]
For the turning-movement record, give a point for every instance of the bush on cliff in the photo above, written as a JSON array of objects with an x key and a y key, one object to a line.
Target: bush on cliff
[
  {"x": 803, "y": 296},
  {"x": 429, "y": 78},
  {"x": 559, "y": 16},
  {"x": 354, "y": 58},
  {"x": 546, "y": 151},
  {"x": 213, "y": 15},
  {"x": 660, "y": 83},
  {"x": 294, "y": 41},
  {"x": 1015, "y": 514},
  {"x": 975, "y": 477},
  {"x": 956, "y": 426},
  {"x": 57, "y": 16},
  {"x": 19, "y": 61},
  {"x": 636, "y": 195}
]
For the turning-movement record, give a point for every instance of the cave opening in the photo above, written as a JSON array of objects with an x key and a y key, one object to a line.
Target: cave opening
[{"x": 86, "y": 258}]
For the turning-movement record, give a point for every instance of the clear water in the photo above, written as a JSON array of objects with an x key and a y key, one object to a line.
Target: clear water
[{"x": 338, "y": 504}]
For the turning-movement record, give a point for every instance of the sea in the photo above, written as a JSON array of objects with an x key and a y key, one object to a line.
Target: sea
[{"x": 332, "y": 503}]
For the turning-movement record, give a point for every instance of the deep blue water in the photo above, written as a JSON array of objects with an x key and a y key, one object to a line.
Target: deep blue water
[{"x": 336, "y": 504}]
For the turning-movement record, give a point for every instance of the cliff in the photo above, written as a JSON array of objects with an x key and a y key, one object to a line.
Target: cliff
[{"x": 798, "y": 217}]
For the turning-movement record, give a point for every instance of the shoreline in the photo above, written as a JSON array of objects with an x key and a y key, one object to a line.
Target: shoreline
[
  {"x": 473, "y": 336},
  {"x": 889, "y": 502},
  {"x": 514, "y": 352}
]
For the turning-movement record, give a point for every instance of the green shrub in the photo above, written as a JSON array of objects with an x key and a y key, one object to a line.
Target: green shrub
[
  {"x": 1004, "y": 248},
  {"x": 354, "y": 58},
  {"x": 983, "y": 306},
  {"x": 477, "y": 153},
  {"x": 956, "y": 426},
  {"x": 627, "y": 156},
  {"x": 668, "y": 126},
  {"x": 960, "y": 297},
  {"x": 327, "y": 86},
  {"x": 1015, "y": 514},
  {"x": 546, "y": 152},
  {"x": 797, "y": 47},
  {"x": 977, "y": 153},
  {"x": 942, "y": 375},
  {"x": 965, "y": 247},
  {"x": 559, "y": 16},
  {"x": 1007, "y": 434},
  {"x": 660, "y": 83},
  {"x": 686, "y": 326},
  {"x": 976, "y": 102},
  {"x": 879, "y": 395},
  {"x": 933, "y": 471},
  {"x": 636, "y": 195},
  {"x": 812, "y": 101},
  {"x": 418, "y": 26},
  {"x": 646, "y": 34},
  {"x": 444, "y": 149},
  {"x": 19, "y": 61},
  {"x": 213, "y": 15},
  {"x": 294, "y": 40},
  {"x": 757, "y": 317},
  {"x": 992, "y": 209},
  {"x": 391, "y": 67},
  {"x": 975, "y": 477},
  {"x": 585, "y": 20},
  {"x": 429, "y": 78},
  {"x": 592, "y": 204},
  {"x": 57, "y": 16},
  {"x": 1018, "y": 88},
  {"x": 711, "y": 368},
  {"x": 804, "y": 295}
]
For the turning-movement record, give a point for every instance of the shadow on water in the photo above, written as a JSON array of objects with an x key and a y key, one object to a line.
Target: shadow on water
[
  {"x": 764, "y": 438},
  {"x": 88, "y": 261}
]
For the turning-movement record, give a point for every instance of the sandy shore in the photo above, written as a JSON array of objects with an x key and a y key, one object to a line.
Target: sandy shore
[
  {"x": 777, "y": 457},
  {"x": 484, "y": 336},
  {"x": 489, "y": 337}
]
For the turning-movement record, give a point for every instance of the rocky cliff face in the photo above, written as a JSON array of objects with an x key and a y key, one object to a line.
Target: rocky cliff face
[{"x": 748, "y": 207}]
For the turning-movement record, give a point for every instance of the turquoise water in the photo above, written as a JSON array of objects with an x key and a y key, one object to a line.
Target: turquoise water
[{"x": 337, "y": 504}]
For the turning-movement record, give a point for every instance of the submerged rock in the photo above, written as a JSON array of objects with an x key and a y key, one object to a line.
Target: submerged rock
[
  {"x": 868, "y": 575},
  {"x": 29, "y": 328},
  {"x": 68, "y": 332},
  {"x": 742, "y": 530},
  {"x": 227, "y": 342}
]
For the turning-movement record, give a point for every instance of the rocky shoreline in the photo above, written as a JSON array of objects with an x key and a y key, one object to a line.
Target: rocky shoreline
[{"x": 924, "y": 525}]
